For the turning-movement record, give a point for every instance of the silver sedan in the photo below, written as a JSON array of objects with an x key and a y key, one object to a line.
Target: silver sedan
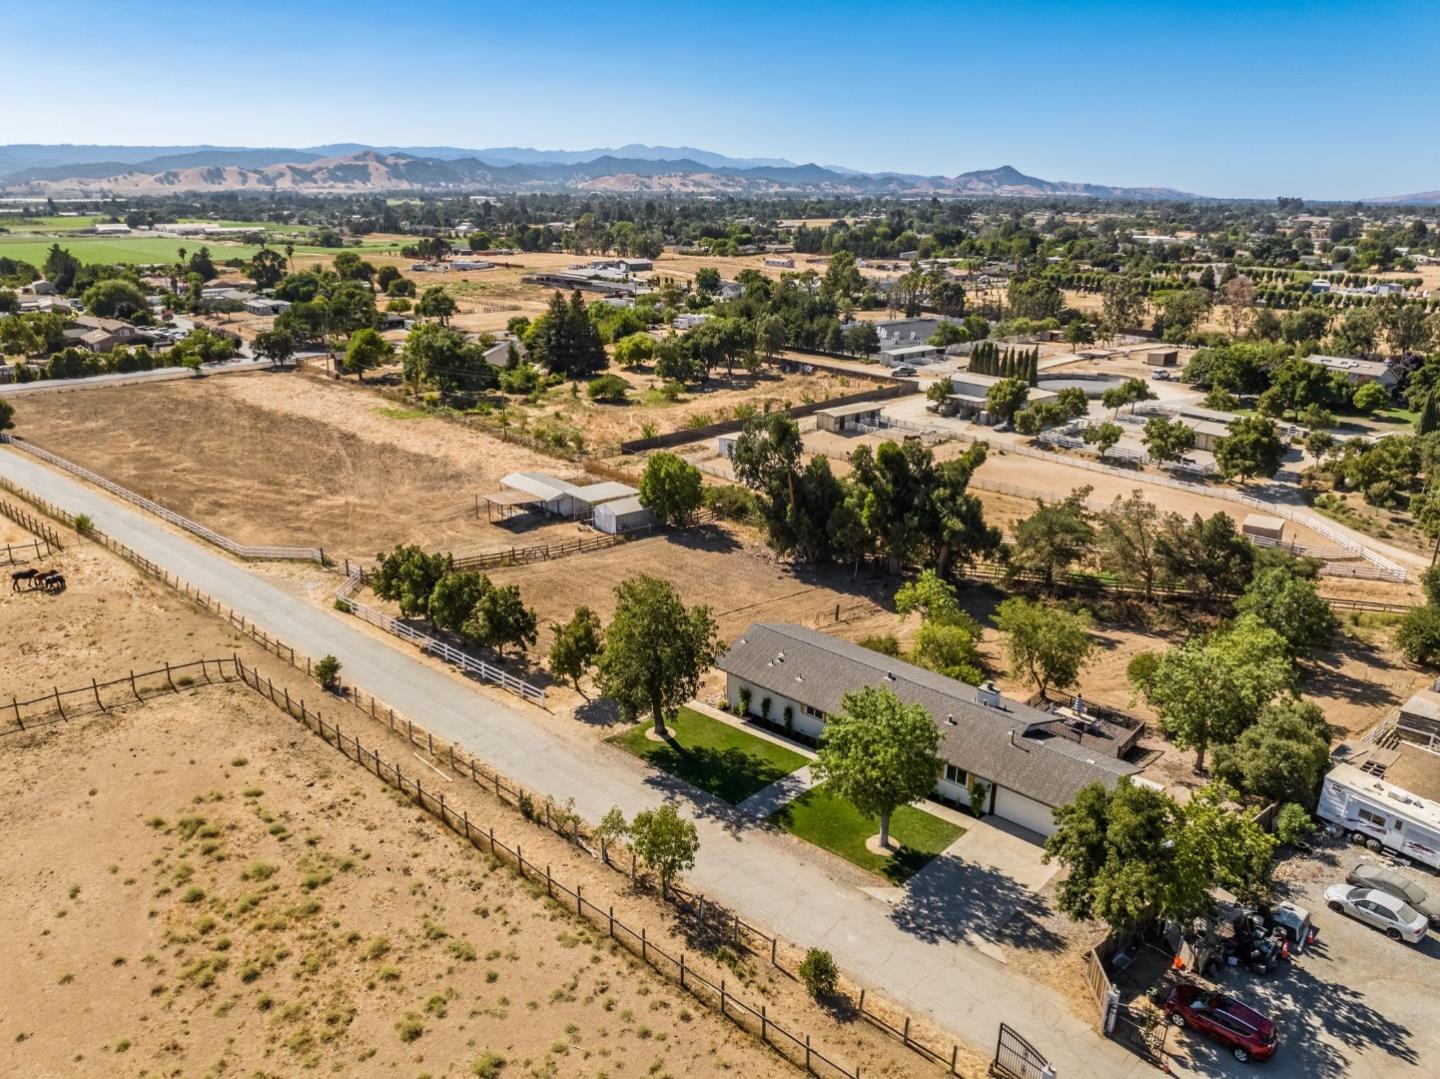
[{"x": 1380, "y": 909}]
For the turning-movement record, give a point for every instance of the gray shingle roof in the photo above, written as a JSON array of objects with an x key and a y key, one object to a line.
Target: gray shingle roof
[{"x": 1003, "y": 745}]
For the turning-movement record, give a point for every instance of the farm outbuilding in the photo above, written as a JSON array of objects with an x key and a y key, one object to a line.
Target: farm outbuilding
[
  {"x": 844, "y": 418},
  {"x": 265, "y": 305},
  {"x": 621, "y": 516},
  {"x": 913, "y": 354},
  {"x": 1163, "y": 357},
  {"x": 542, "y": 492},
  {"x": 1259, "y": 526},
  {"x": 725, "y": 444}
]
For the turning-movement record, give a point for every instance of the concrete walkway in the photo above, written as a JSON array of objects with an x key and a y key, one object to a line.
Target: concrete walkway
[
  {"x": 790, "y": 787},
  {"x": 904, "y": 953},
  {"x": 764, "y": 802}
]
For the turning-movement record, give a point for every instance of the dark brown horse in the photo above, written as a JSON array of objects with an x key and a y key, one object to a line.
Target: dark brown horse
[{"x": 23, "y": 575}]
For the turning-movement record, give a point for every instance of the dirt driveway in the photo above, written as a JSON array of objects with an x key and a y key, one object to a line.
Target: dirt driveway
[{"x": 1355, "y": 1004}]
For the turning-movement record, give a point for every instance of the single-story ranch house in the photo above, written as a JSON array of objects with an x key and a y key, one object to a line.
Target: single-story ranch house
[{"x": 1014, "y": 750}]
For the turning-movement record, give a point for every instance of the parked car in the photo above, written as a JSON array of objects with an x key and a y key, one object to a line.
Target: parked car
[
  {"x": 1368, "y": 874},
  {"x": 904, "y": 370},
  {"x": 1239, "y": 1028},
  {"x": 1161, "y": 376},
  {"x": 1380, "y": 909}
]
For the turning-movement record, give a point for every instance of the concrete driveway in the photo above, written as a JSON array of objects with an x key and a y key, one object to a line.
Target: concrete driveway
[
  {"x": 1356, "y": 1004},
  {"x": 970, "y": 891}
]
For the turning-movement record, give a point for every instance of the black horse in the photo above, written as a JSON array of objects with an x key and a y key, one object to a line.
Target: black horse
[{"x": 23, "y": 575}]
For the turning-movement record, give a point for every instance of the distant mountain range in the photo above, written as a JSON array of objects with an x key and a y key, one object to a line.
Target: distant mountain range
[
  {"x": 71, "y": 171},
  {"x": 65, "y": 171},
  {"x": 1423, "y": 198}
]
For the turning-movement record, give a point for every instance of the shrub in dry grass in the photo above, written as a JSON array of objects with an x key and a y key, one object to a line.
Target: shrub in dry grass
[{"x": 488, "y": 1065}]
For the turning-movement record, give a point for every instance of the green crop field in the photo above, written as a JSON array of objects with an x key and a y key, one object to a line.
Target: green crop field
[
  {"x": 144, "y": 250},
  {"x": 141, "y": 250}
]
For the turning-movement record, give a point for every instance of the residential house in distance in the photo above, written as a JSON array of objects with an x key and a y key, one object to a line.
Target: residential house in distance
[
  {"x": 689, "y": 320},
  {"x": 1000, "y": 756},
  {"x": 265, "y": 305},
  {"x": 1358, "y": 372},
  {"x": 58, "y": 304},
  {"x": 498, "y": 354},
  {"x": 104, "y": 334},
  {"x": 902, "y": 332},
  {"x": 918, "y": 355}
]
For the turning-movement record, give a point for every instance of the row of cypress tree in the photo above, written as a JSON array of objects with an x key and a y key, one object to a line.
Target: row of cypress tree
[{"x": 989, "y": 359}]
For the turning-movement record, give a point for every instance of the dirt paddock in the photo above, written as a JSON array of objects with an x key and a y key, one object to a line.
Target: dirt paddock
[
  {"x": 197, "y": 885},
  {"x": 290, "y": 460}
]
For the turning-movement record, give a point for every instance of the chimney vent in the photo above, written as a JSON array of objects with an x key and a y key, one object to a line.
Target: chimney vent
[{"x": 987, "y": 695}]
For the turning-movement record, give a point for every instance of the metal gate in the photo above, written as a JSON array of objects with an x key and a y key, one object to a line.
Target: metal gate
[
  {"x": 1142, "y": 1031},
  {"x": 1015, "y": 1058}
]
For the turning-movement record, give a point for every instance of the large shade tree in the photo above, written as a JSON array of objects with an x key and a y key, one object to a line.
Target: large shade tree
[
  {"x": 879, "y": 753},
  {"x": 656, "y": 649}
]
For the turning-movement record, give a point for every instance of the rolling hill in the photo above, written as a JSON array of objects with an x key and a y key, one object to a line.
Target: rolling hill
[{"x": 77, "y": 171}]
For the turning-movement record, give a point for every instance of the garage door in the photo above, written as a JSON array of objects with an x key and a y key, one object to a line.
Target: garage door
[{"x": 1023, "y": 811}]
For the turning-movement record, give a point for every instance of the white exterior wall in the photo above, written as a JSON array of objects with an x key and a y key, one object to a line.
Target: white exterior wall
[
  {"x": 954, "y": 792},
  {"x": 804, "y": 724},
  {"x": 811, "y": 727},
  {"x": 1024, "y": 811}
]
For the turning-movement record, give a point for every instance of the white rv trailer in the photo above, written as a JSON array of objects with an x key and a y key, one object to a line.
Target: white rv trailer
[{"x": 1381, "y": 814}]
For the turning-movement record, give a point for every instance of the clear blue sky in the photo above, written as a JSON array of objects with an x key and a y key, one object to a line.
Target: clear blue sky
[{"x": 1320, "y": 99}]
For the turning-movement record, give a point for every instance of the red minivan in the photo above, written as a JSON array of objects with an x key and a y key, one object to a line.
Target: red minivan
[{"x": 1241, "y": 1029}]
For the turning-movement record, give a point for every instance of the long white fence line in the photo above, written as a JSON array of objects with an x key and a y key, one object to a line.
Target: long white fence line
[
  {"x": 239, "y": 550},
  {"x": 467, "y": 663},
  {"x": 1389, "y": 570},
  {"x": 1334, "y": 558}
]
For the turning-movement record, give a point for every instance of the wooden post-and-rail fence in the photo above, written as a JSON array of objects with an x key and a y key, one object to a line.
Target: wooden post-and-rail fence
[
  {"x": 718, "y": 996},
  {"x": 32, "y": 524},
  {"x": 137, "y": 686}
]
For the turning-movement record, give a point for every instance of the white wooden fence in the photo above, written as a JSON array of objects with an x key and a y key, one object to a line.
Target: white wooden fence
[
  {"x": 239, "y": 550},
  {"x": 467, "y": 663}
]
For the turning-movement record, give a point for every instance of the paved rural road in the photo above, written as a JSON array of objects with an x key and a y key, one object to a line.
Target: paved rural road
[{"x": 908, "y": 954}]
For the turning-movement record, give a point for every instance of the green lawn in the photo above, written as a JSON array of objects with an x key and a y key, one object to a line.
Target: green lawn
[
  {"x": 827, "y": 820},
  {"x": 714, "y": 756},
  {"x": 1397, "y": 415}
]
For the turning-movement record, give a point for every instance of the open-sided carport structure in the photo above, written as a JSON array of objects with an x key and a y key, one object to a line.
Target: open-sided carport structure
[{"x": 532, "y": 492}]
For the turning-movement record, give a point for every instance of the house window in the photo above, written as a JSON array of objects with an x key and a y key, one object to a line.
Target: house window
[
  {"x": 814, "y": 713},
  {"x": 1371, "y": 817},
  {"x": 956, "y": 775}
]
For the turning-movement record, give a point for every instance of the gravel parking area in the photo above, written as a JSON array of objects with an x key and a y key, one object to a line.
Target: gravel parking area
[{"x": 1355, "y": 1004}]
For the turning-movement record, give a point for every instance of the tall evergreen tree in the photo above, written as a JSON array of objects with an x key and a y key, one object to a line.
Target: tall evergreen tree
[{"x": 1429, "y": 414}]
